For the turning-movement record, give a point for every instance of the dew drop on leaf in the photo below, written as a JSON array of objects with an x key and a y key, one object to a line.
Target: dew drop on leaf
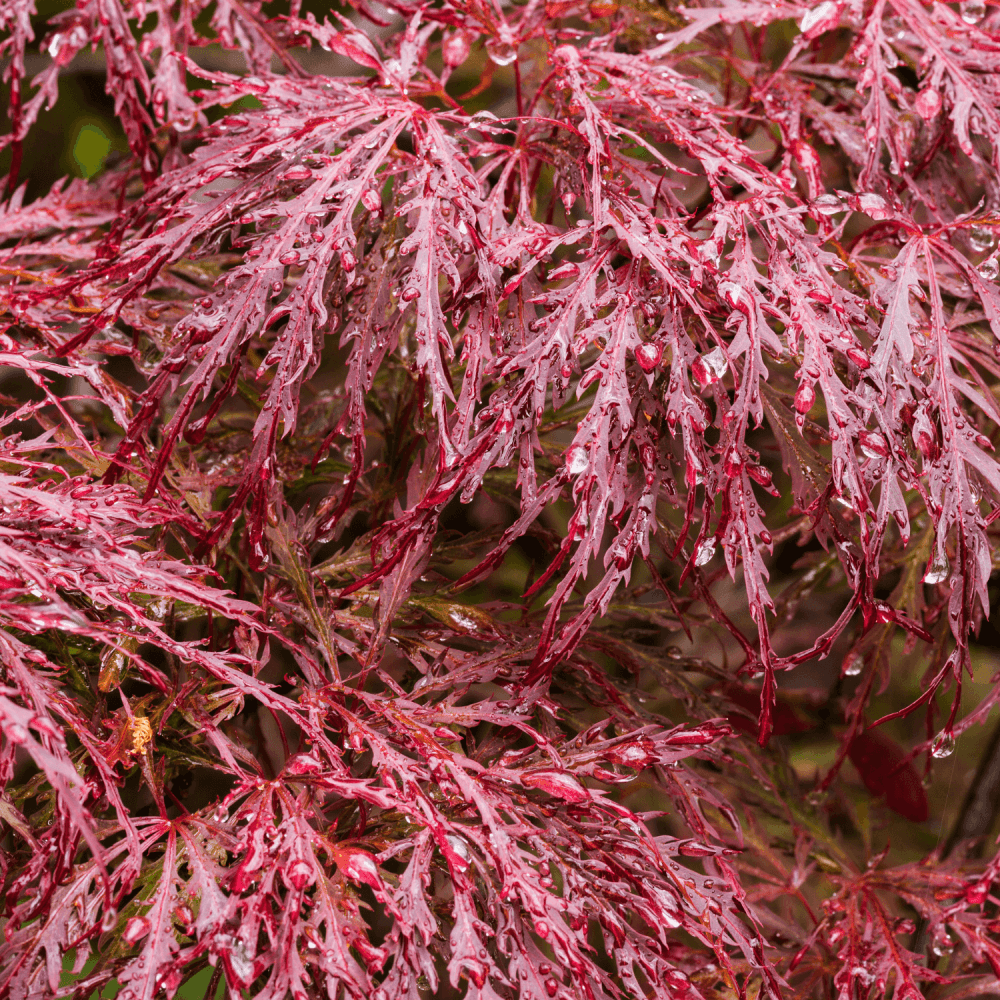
[
  {"x": 136, "y": 929},
  {"x": 928, "y": 103},
  {"x": 859, "y": 357},
  {"x": 805, "y": 397},
  {"x": 709, "y": 368},
  {"x": 874, "y": 205},
  {"x": 15, "y": 733},
  {"x": 972, "y": 11},
  {"x": 300, "y": 874},
  {"x": 648, "y": 356},
  {"x": 853, "y": 664},
  {"x": 990, "y": 268},
  {"x": 816, "y": 20},
  {"x": 828, "y": 204},
  {"x": 577, "y": 460},
  {"x": 455, "y": 49},
  {"x": 706, "y": 550},
  {"x": 939, "y": 569},
  {"x": 501, "y": 52},
  {"x": 943, "y": 745},
  {"x": 872, "y": 444},
  {"x": 981, "y": 238}
]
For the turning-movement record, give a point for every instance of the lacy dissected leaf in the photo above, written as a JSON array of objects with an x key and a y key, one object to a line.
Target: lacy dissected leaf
[{"x": 433, "y": 425}]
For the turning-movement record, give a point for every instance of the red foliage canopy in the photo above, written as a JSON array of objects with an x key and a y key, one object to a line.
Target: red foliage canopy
[{"x": 322, "y": 389}]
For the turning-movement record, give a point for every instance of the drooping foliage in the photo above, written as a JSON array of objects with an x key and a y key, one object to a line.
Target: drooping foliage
[{"x": 426, "y": 451}]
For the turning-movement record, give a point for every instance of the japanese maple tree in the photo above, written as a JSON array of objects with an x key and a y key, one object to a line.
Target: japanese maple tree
[{"x": 426, "y": 452}]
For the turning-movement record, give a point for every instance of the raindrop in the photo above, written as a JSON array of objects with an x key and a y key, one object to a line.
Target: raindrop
[
  {"x": 648, "y": 356},
  {"x": 874, "y": 205},
  {"x": 15, "y": 733},
  {"x": 981, "y": 239},
  {"x": 853, "y": 663},
  {"x": 136, "y": 929},
  {"x": 709, "y": 368},
  {"x": 577, "y": 460},
  {"x": 989, "y": 268},
  {"x": 503, "y": 53},
  {"x": 805, "y": 396},
  {"x": 859, "y": 357},
  {"x": 873, "y": 444},
  {"x": 828, "y": 204},
  {"x": 943, "y": 745},
  {"x": 928, "y": 104},
  {"x": 939, "y": 569},
  {"x": 972, "y": 11},
  {"x": 705, "y": 552}
]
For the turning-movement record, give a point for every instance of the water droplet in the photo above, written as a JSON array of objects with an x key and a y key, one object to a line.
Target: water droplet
[
  {"x": 943, "y": 745},
  {"x": 455, "y": 48},
  {"x": 939, "y": 569},
  {"x": 710, "y": 367},
  {"x": 705, "y": 552},
  {"x": 648, "y": 356},
  {"x": 502, "y": 52},
  {"x": 733, "y": 294},
  {"x": 928, "y": 104},
  {"x": 136, "y": 929},
  {"x": 805, "y": 397},
  {"x": 981, "y": 239},
  {"x": 300, "y": 874},
  {"x": 816, "y": 20},
  {"x": 853, "y": 664},
  {"x": 874, "y": 205},
  {"x": 972, "y": 11},
  {"x": 989, "y": 268},
  {"x": 577, "y": 460},
  {"x": 15, "y": 733},
  {"x": 828, "y": 204}
]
